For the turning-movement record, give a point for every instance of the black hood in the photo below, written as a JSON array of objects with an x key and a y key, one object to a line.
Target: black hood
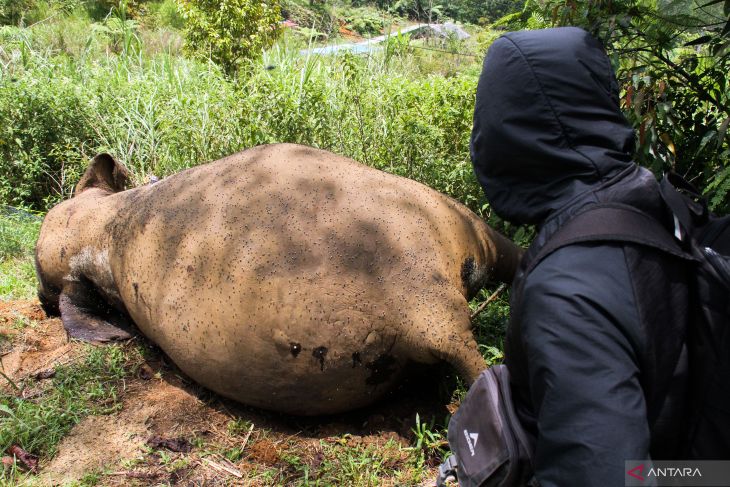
[{"x": 547, "y": 122}]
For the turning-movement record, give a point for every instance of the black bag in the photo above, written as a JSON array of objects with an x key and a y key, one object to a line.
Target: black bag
[
  {"x": 697, "y": 237},
  {"x": 489, "y": 446},
  {"x": 691, "y": 211},
  {"x": 708, "y": 339}
]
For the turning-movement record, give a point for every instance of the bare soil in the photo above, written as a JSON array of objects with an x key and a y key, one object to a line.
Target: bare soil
[{"x": 160, "y": 402}]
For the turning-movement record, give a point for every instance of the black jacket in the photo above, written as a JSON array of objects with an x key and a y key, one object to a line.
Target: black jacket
[{"x": 596, "y": 347}]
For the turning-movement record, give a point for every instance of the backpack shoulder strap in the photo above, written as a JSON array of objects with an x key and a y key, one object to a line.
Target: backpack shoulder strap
[
  {"x": 610, "y": 223},
  {"x": 685, "y": 201}
]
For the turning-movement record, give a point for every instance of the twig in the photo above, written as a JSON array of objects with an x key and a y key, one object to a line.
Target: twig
[
  {"x": 10, "y": 381},
  {"x": 134, "y": 475},
  {"x": 223, "y": 468},
  {"x": 248, "y": 435},
  {"x": 491, "y": 298},
  {"x": 44, "y": 20},
  {"x": 224, "y": 462}
]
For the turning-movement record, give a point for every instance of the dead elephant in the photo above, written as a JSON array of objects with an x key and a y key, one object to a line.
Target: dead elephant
[{"x": 283, "y": 277}]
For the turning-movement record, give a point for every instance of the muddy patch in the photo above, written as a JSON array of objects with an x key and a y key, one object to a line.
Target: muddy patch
[{"x": 30, "y": 344}]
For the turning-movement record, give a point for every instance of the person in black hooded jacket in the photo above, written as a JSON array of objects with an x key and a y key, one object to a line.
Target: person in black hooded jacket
[{"x": 595, "y": 348}]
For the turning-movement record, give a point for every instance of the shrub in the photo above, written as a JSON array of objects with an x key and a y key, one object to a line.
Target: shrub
[
  {"x": 166, "y": 14},
  {"x": 13, "y": 11},
  {"x": 229, "y": 31},
  {"x": 364, "y": 22},
  {"x": 45, "y": 128}
]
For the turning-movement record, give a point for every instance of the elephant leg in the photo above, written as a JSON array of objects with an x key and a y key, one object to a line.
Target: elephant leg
[
  {"x": 463, "y": 354},
  {"x": 87, "y": 317},
  {"x": 443, "y": 332}
]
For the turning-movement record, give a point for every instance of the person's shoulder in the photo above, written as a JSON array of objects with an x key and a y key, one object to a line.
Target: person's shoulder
[
  {"x": 580, "y": 280},
  {"x": 585, "y": 256},
  {"x": 584, "y": 266}
]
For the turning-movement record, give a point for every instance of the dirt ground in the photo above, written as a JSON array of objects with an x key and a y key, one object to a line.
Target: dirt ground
[{"x": 162, "y": 411}]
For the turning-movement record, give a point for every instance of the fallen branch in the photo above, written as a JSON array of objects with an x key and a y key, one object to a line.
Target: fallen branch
[
  {"x": 26, "y": 459},
  {"x": 135, "y": 475},
  {"x": 248, "y": 435},
  {"x": 10, "y": 381},
  {"x": 222, "y": 468},
  {"x": 491, "y": 298}
]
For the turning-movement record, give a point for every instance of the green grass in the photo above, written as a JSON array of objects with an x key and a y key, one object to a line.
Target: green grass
[
  {"x": 360, "y": 465},
  {"x": 17, "y": 278},
  {"x": 91, "y": 386},
  {"x": 18, "y": 233}
]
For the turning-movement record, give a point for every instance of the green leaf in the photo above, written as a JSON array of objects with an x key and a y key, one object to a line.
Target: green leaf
[
  {"x": 699, "y": 40},
  {"x": 705, "y": 139},
  {"x": 721, "y": 132},
  {"x": 5, "y": 409},
  {"x": 507, "y": 19},
  {"x": 711, "y": 2}
]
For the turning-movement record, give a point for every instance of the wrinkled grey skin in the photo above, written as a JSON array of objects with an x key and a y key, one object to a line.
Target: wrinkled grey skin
[{"x": 283, "y": 277}]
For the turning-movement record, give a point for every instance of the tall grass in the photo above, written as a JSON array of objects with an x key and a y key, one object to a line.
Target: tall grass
[
  {"x": 64, "y": 99},
  {"x": 18, "y": 233}
]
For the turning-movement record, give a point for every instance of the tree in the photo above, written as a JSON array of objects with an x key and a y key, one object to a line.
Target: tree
[
  {"x": 230, "y": 31},
  {"x": 481, "y": 11},
  {"x": 12, "y": 11}
]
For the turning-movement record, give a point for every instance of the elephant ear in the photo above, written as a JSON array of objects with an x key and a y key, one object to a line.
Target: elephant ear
[{"x": 105, "y": 173}]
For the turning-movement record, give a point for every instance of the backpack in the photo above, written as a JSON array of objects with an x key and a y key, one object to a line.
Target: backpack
[
  {"x": 707, "y": 237},
  {"x": 698, "y": 237}
]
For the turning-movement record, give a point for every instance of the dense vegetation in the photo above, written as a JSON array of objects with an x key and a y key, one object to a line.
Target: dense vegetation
[
  {"x": 71, "y": 88},
  {"x": 92, "y": 76}
]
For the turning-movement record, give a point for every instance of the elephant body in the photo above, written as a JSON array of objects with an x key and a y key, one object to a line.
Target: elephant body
[{"x": 284, "y": 277}]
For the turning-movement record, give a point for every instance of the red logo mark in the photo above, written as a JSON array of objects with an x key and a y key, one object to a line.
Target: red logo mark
[{"x": 637, "y": 472}]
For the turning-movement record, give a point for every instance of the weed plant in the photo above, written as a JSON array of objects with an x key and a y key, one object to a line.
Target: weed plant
[{"x": 18, "y": 233}]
